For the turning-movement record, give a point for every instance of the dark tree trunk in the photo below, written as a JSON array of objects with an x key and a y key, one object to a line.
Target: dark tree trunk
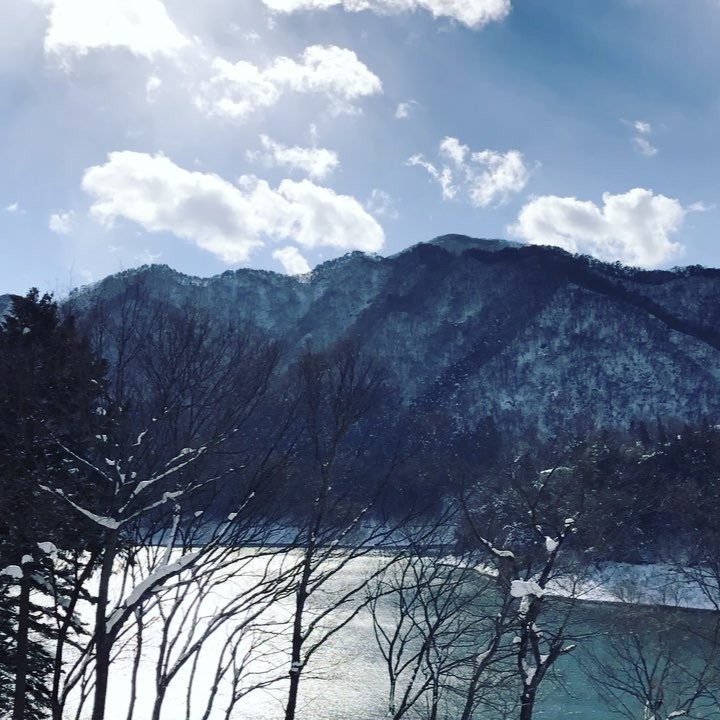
[
  {"x": 103, "y": 638},
  {"x": 21, "y": 648}
]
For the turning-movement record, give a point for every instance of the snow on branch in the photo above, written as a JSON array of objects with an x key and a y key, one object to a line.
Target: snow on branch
[
  {"x": 506, "y": 554},
  {"x": 521, "y": 588},
  {"x": 190, "y": 456},
  {"x": 103, "y": 520},
  {"x": 85, "y": 462},
  {"x": 13, "y": 571},
  {"x": 157, "y": 577}
]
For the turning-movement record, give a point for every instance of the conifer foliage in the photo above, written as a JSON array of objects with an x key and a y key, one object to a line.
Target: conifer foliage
[{"x": 50, "y": 399}]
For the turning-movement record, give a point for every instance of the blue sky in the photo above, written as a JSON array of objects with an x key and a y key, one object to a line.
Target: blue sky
[{"x": 281, "y": 133}]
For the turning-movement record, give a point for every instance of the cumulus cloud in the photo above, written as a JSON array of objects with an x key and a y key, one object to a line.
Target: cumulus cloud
[
  {"x": 226, "y": 219},
  {"x": 633, "y": 227},
  {"x": 316, "y": 162},
  {"x": 292, "y": 261},
  {"x": 235, "y": 90},
  {"x": 12, "y": 208},
  {"x": 325, "y": 218},
  {"x": 62, "y": 223},
  {"x": 473, "y": 13},
  {"x": 485, "y": 177},
  {"x": 141, "y": 26}
]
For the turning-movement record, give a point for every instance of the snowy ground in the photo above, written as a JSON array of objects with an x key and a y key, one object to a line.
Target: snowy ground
[
  {"x": 652, "y": 584},
  {"x": 615, "y": 582}
]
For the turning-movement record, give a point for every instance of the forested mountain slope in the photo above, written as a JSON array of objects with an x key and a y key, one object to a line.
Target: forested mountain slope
[{"x": 538, "y": 340}]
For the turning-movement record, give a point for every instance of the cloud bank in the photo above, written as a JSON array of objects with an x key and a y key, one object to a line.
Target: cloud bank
[
  {"x": 484, "y": 177},
  {"x": 473, "y": 13},
  {"x": 227, "y": 220},
  {"x": 235, "y": 90},
  {"x": 633, "y": 227},
  {"x": 141, "y": 26}
]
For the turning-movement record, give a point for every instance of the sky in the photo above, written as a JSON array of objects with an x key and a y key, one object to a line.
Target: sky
[{"x": 278, "y": 134}]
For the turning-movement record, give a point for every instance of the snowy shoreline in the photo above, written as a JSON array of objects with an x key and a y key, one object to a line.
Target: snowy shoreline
[
  {"x": 616, "y": 583},
  {"x": 655, "y": 584}
]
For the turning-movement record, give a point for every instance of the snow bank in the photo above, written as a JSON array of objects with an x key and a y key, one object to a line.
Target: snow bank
[{"x": 652, "y": 584}]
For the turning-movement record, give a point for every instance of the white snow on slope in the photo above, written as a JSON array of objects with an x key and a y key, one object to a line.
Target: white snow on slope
[{"x": 652, "y": 584}]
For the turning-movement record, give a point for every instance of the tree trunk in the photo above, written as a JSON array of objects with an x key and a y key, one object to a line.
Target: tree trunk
[
  {"x": 527, "y": 703},
  {"x": 103, "y": 639},
  {"x": 56, "y": 701},
  {"x": 296, "y": 650},
  {"x": 21, "y": 648}
]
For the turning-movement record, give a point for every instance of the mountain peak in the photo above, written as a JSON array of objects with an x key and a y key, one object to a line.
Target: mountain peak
[{"x": 458, "y": 244}]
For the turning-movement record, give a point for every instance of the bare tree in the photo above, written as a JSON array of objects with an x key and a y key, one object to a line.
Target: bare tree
[
  {"x": 342, "y": 394},
  {"x": 440, "y": 627},
  {"x": 655, "y": 663},
  {"x": 525, "y": 539},
  {"x": 185, "y": 389}
]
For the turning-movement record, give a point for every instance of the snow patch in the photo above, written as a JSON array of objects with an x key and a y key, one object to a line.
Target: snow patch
[
  {"x": 551, "y": 545},
  {"x": 522, "y": 588},
  {"x": 155, "y": 578},
  {"x": 651, "y": 584},
  {"x": 13, "y": 571}
]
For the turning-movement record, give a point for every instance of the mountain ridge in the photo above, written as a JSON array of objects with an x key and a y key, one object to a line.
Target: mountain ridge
[{"x": 538, "y": 339}]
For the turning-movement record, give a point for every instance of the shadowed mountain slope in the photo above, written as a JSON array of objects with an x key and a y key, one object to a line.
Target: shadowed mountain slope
[{"x": 542, "y": 341}]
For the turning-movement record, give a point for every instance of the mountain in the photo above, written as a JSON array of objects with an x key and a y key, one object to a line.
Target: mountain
[
  {"x": 5, "y": 304},
  {"x": 541, "y": 341}
]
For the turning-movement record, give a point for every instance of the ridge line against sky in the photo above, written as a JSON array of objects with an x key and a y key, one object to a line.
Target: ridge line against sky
[{"x": 283, "y": 133}]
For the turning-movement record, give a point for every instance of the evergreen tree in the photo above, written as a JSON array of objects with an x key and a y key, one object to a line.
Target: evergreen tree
[{"x": 50, "y": 406}]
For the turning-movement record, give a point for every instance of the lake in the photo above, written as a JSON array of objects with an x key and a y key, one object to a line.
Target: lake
[{"x": 347, "y": 678}]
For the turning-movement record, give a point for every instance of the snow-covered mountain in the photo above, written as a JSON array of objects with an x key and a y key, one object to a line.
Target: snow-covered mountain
[{"x": 537, "y": 339}]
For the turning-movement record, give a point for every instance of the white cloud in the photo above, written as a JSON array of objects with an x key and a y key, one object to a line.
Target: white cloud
[
  {"x": 227, "y": 220},
  {"x": 317, "y": 163},
  {"x": 292, "y": 261},
  {"x": 633, "y": 227},
  {"x": 62, "y": 223},
  {"x": 403, "y": 110},
  {"x": 141, "y": 26},
  {"x": 640, "y": 141},
  {"x": 485, "y": 176},
  {"x": 381, "y": 204},
  {"x": 642, "y": 145},
  {"x": 473, "y": 13},
  {"x": 238, "y": 89},
  {"x": 12, "y": 208},
  {"x": 451, "y": 149},
  {"x": 444, "y": 176},
  {"x": 324, "y": 218}
]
